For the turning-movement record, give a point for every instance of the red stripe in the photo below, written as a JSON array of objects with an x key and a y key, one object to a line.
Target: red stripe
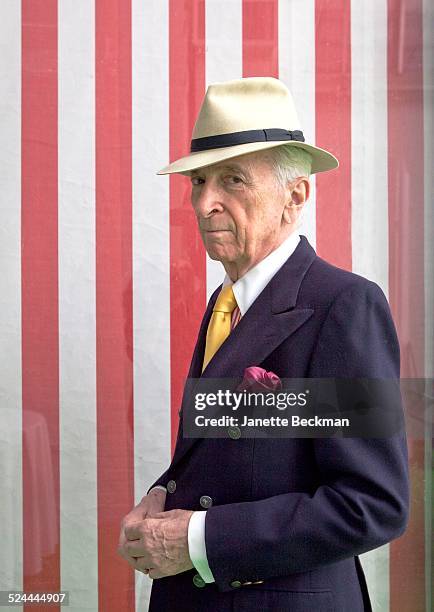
[
  {"x": 333, "y": 129},
  {"x": 114, "y": 341},
  {"x": 40, "y": 332},
  {"x": 260, "y": 38},
  {"x": 406, "y": 267},
  {"x": 187, "y": 254}
]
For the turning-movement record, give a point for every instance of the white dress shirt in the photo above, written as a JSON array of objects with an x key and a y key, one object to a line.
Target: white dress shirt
[{"x": 246, "y": 289}]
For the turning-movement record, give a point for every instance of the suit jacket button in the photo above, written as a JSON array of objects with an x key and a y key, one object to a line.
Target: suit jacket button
[
  {"x": 205, "y": 501},
  {"x": 198, "y": 581},
  {"x": 234, "y": 432},
  {"x": 235, "y": 584},
  {"x": 171, "y": 486}
]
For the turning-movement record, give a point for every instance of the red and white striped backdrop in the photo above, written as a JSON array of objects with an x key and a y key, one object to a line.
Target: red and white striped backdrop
[{"x": 104, "y": 279}]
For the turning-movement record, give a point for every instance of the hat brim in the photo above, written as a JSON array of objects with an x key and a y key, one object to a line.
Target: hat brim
[{"x": 322, "y": 160}]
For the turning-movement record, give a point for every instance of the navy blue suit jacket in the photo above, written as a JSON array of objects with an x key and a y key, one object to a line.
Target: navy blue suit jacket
[{"x": 293, "y": 513}]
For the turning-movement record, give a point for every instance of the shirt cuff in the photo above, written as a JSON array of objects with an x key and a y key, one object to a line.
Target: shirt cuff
[{"x": 196, "y": 545}]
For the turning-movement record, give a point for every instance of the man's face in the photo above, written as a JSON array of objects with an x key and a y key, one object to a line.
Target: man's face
[{"x": 239, "y": 206}]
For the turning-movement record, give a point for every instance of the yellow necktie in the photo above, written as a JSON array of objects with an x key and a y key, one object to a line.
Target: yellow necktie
[{"x": 219, "y": 326}]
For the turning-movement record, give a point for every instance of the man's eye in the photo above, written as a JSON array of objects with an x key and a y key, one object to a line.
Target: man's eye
[
  {"x": 234, "y": 179},
  {"x": 195, "y": 180}
]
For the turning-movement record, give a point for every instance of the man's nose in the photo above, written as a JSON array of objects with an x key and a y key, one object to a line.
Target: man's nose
[{"x": 208, "y": 200}]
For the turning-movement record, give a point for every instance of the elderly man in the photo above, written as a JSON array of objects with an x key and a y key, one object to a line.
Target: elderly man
[{"x": 240, "y": 524}]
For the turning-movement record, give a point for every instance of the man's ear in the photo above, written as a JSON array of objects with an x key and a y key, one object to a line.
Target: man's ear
[
  {"x": 300, "y": 190},
  {"x": 298, "y": 193}
]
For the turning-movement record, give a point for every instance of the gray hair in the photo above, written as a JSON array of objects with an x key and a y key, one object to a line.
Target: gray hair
[{"x": 289, "y": 162}]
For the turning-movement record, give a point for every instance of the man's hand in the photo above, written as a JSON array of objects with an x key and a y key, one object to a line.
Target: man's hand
[
  {"x": 160, "y": 543},
  {"x": 151, "y": 504}
]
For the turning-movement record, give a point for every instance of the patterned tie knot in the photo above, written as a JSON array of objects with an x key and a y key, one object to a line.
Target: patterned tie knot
[{"x": 226, "y": 301}]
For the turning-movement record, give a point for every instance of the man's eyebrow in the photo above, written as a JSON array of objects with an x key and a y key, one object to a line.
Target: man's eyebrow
[
  {"x": 234, "y": 168},
  {"x": 230, "y": 168}
]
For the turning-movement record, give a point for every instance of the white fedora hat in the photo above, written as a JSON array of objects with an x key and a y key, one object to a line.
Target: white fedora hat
[{"x": 242, "y": 116}]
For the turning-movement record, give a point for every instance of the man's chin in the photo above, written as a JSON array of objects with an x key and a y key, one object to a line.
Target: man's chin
[
  {"x": 215, "y": 255},
  {"x": 219, "y": 251}
]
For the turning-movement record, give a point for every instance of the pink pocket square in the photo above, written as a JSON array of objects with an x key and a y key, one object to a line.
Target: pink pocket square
[{"x": 258, "y": 379}]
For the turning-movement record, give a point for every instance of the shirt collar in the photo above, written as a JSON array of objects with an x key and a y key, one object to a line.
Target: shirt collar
[{"x": 247, "y": 288}]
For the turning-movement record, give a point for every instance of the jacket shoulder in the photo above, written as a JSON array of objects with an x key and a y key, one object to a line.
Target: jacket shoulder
[{"x": 325, "y": 282}]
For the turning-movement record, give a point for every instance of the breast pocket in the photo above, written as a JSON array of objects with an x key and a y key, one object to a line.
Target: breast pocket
[{"x": 283, "y": 601}]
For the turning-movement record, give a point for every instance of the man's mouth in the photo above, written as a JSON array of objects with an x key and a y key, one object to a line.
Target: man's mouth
[{"x": 217, "y": 231}]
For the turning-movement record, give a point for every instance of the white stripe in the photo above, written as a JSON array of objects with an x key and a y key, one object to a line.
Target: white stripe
[
  {"x": 370, "y": 243},
  {"x": 11, "y": 536},
  {"x": 77, "y": 358},
  {"x": 297, "y": 71},
  {"x": 369, "y": 223},
  {"x": 223, "y": 62},
  {"x": 151, "y": 271},
  {"x": 428, "y": 80}
]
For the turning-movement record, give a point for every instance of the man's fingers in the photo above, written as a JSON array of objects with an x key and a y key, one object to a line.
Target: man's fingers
[
  {"x": 134, "y": 548},
  {"x": 122, "y": 551},
  {"x": 133, "y": 531},
  {"x": 126, "y": 556},
  {"x": 154, "y": 573},
  {"x": 142, "y": 565}
]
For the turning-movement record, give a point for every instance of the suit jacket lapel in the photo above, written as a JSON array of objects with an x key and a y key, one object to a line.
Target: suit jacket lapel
[{"x": 271, "y": 319}]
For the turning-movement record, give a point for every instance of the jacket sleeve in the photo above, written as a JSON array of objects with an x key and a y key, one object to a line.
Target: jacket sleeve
[{"x": 363, "y": 501}]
